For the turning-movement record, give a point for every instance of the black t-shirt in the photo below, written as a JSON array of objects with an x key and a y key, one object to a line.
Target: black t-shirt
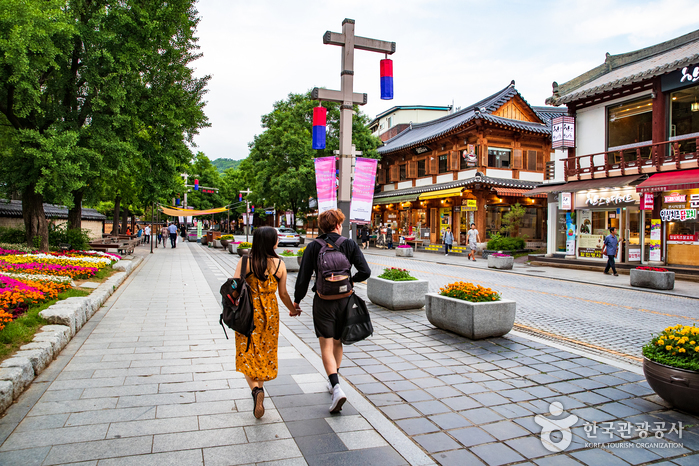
[{"x": 309, "y": 262}]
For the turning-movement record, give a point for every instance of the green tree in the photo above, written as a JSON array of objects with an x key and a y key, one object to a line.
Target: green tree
[
  {"x": 279, "y": 168},
  {"x": 512, "y": 220}
]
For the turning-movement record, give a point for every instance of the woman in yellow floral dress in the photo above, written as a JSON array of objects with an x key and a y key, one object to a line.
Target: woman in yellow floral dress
[{"x": 267, "y": 273}]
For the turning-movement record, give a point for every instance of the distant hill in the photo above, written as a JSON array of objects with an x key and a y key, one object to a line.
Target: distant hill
[{"x": 224, "y": 164}]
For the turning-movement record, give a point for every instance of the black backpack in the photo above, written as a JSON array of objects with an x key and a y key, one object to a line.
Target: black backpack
[
  {"x": 333, "y": 271},
  {"x": 238, "y": 311},
  {"x": 358, "y": 325}
]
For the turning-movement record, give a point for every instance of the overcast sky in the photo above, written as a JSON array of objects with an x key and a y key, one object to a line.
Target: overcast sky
[{"x": 259, "y": 51}]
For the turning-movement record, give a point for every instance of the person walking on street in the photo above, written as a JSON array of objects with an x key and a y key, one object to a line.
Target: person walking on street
[
  {"x": 365, "y": 237},
  {"x": 473, "y": 239},
  {"x": 172, "y": 229},
  {"x": 389, "y": 237},
  {"x": 265, "y": 275},
  {"x": 164, "y": 234},
  {"x": 448, "y": 240},
  {"x": 329, "y": 315},
  {"x": 147, "y": 233},
  {"x": 611, "y": 242}
]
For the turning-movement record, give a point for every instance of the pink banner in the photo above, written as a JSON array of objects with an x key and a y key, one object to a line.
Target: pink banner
[
  {"x": 325, "y": 183},
  {"x": 363, "y": 190}
]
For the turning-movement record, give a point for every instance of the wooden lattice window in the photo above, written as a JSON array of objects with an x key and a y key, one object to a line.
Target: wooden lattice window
[
  {"x": 412, "y": 169},
  {"x": 432, "y": 165},
  {"x": 454, "y": 160},
  {"x": 531, "y": 160},
  {"x": 382, "y": 176},
  {"x": 394, "y": 174},
  {"x": 517, "y": 159},
  {"x": 539, "y": 160}
]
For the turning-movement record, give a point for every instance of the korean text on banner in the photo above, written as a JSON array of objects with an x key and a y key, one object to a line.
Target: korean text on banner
[
  {"x": 363, "y": 190},
  {"x": 325, "y": 183}
]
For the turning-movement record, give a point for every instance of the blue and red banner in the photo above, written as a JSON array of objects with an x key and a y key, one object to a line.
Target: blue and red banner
[
  {"x": 387, "y": 79},
  {"x": 320, "y": 115}
]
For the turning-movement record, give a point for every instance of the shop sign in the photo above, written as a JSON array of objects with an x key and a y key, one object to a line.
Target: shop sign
[
  {"x": 562, "y": 132},
  {"x": 694, "y": 201},
  {"x": 469, "y": 205},
  {"x": 565, "y": 201},
  {"x": 681, "y": 78},
  {"x": 590, "y": 253},
  {"x": 590, "y": 246},
  {"x": 421, "y": 150},
  {"x": 594, "y": 199},
  {"x": 470, "y": 155},
  {"x": 684, "y": 237},
  {"x": 634, "y": 255},
  {"x": 647, "y": 201},
  {"x": 675, "y": 197},
  {"x": 669, "y": 215},
  {"x": 690, "y": 75}
]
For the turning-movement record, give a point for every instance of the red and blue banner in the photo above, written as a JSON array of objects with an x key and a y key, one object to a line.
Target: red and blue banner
[
  {"x": 387, "y": 79},
  {"x": 320, "y": 115}
]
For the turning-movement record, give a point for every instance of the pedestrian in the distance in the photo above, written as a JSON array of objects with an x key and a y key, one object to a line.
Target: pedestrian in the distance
[
  {"x": 164, "y": 234},
  {"x": 365, "y": 237},
  {"x": 611, "y": 243},
  {"x": 389, "y": 237},
  {"x": 448, "y": 240},
  {"x": 473, "y": 239},
  {"x": 329, "y": 314},
  {"x": 265, "y": 275},
  {"x": 147, "y": 233},
  {"x": 172, "y": 229}
]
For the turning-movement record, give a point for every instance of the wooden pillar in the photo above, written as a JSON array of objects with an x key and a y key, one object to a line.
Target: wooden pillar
[
  {"x": 659, "y": 113},
  {"x": 480, "y": 213}
]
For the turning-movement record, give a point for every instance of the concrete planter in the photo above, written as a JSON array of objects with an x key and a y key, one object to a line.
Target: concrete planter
[
  {"x": 652, "y": 279},
  {"x": 292, "y": 265},
  {"x": 474, "y": 321},
  {"x": 679, "y": 387},
  {"x": 397, "y": 295},
  {"x": 501, "y": 262},
  {"x": 217, "y": 243},
  {"x": 404, "y": 252},
  {"x": 242, "y": 252}
]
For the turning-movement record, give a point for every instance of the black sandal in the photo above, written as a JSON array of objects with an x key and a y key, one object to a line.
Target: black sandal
[{"x": 258, "y": 395}]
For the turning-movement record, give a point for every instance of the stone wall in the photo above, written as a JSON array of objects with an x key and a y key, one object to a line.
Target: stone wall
[{"x": 94, "y": 227}]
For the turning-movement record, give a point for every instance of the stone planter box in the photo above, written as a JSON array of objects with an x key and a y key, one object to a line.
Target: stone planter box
[
  {"x": 474, "y": 321},
  {"x": 404, "y": 252},
  {"x": 652, "y": 279},
  {"x": 242, "y": 252},
  {"x": 217, "y": 243},
  {"x": 679, "y": 387},
  {"x": 500, "y": 262},
  {"x": 397, "y": 295},
  {"x": 292, "y": 265}
]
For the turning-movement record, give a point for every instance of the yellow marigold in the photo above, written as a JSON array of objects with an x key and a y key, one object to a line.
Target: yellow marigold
[
  {"x": 682, "y": 350},
  {"x": 661, "y": 342},
  {"x": 668, "y": 347},
  {"x": 692, "y": 342}
]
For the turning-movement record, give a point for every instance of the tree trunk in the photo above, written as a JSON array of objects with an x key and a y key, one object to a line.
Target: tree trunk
[
  {"x": 124, "y": 220},
  {"x": 75, "y": 214},
  {"x": 35, "y": 223},
  {"x": 115, "y": 217}
]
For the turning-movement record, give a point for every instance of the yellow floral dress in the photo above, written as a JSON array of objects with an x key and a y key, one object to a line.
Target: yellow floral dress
[{"x": 260, "y": 361}]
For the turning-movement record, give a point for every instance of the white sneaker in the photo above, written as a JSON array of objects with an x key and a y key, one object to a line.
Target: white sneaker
[
  {"x": 339, "y": 399},
  {"x": 330, "y": 387}
]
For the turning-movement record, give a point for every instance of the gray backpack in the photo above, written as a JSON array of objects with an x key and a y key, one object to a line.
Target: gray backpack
[{"x": 333, "y": 271}]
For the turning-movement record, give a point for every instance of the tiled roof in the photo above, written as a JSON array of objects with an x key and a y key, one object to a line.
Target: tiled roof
[
  {"x": 14, "y": 209},
  {"x": 423, "y": 133},
  {"x": 549, "y": 113},
  {"x": 484, "y": 180},
  {"x": 620, "y": 70}
]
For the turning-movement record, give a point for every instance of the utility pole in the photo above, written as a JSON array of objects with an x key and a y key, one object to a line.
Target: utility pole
[
  {"x": 348, "y": 98},
  {"x": 150, "y": 240},
  {"x": 247, "y": 214}
]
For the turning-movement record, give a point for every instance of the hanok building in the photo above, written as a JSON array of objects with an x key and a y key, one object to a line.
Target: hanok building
[
  {"x": 631, "y": 161},
  {"x": 466, "y": 167}
]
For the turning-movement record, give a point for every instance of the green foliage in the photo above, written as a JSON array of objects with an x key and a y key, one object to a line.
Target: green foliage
[
  {"x": 675, "y": 346},
  {"x": 396, "y": 275},
  {"x": 498, "y": 242},
  {"x": 512, "y": 220},
  {"x": 287, "y": 253},
  {"x": 12, "y": 235},
  {"x": 77, "y": 238},
  {"x": 21, "y": 247},
  {"x": 224, "y": 164}
]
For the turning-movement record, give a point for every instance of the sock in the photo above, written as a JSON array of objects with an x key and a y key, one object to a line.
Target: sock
[{"x": 334, "y": 379}]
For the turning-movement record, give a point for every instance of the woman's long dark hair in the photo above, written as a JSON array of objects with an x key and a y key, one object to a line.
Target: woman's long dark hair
[{"x": 263, "y": 241}]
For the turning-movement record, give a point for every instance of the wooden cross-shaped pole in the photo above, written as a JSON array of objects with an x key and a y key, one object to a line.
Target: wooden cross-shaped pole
[{"x": 348, "y": 98}]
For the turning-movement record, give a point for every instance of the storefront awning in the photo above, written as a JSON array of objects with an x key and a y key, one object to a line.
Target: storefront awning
[
  {"x": 443, "y": 193},
  {"x": 176, "y": 211},
  {"x": 684, "y": 179},
  {"x": 516, "y": 192},
  {"x": 596, "y": 183},
  {"x": 396, "y": 199}
]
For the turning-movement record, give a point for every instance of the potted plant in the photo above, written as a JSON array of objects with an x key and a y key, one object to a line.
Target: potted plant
[
  {"x": 471, "y": 310},
  {"x": 501, "y": 261},
  {"x": 290, "y": 261},
  {"x": 671, "y": 366},
  {"x": 396, "y": 289},
  {"x": 225, "y": 239},
  {"x": 299, "y": 255},
  {"x": 404, "y": 250},
  {"x": 656, "y": 278},
  {"x": 244, "y": 248}
]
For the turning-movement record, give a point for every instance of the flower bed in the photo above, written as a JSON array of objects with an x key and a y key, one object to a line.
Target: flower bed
[
  {"x": 653, "y": 269},
  {"x": 287, "y": 253},
  {"x": 396, "y": 275},
  {"x": 676, "y": 346},
  {"x": 469, "y": 292}
]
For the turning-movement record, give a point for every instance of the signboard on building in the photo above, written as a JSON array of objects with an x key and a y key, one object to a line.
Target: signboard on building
[
  {"x": 562, "y": 132},
  {"x": 470, "y": 155},
  {"x": 635, "y": 255},
  {"x": 655, "y": 239},
  {"x": 684, "y": 77},
  {"x": 565, "y": 201},
  {"x": 469, "y": 205},
  {"x": 675, "y": 197},
  {"x": 694, "y": 237},
  {"x": 606, "y": 198},
  {"x": 647, "y": 201},
  {"x": 670, "y": 215}
]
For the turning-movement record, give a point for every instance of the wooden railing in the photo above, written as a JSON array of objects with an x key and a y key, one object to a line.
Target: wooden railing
[{"x": 632, "y": 160}]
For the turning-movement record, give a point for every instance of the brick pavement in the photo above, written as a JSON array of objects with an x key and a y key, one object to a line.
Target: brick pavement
[
  {"x": 151, "y": 380},
  {"x": 474, "y": 402}
]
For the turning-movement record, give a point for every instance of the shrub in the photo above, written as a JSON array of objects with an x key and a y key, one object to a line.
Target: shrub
[
  {"x": 396, "y": 275},
  {"x": 13, "y": 235},
  {"x": 675, "y": 346},
  {"x": 505, "y": 243},
  {"x": 77, "y": 238},
  {"x": 469, "y": 292},
  {"x": 245, "y": 245},
  {"x": 227, "y": 237},
  {"x": 287, "y": 253},
  {"x": 300, "y": 252}
]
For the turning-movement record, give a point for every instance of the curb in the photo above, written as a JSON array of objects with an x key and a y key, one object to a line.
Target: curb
[{"x": 66, "y": 318}]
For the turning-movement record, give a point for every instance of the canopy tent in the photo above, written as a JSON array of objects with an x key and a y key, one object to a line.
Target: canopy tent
[{"x": 179, "y": 212}]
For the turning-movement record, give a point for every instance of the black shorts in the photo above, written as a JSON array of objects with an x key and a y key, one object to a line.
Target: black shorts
[{"x": 329, "y": 317}]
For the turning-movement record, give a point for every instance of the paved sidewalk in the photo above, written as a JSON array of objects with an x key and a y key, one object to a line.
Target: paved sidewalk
[
  {"x": 475, "y": 402},
  {"x": 151, "y": 380}
]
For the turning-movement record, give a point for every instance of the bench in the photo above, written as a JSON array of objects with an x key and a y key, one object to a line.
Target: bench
[{"x": 414, "y": 242}]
